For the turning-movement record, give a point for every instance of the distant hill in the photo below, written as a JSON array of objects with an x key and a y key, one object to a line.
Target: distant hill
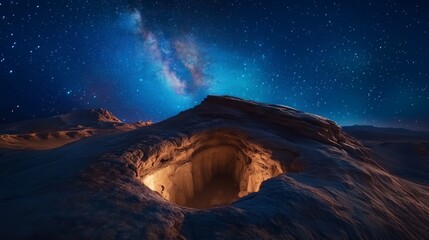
[{"x": 55, "y": 131}]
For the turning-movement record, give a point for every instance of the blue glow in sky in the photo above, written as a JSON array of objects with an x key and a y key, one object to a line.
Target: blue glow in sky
[
  {"x": 356, "y": 62},
  {"x": 140, "y": 61}
]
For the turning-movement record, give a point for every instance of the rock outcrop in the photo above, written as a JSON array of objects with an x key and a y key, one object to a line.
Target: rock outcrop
[{"x": 226, "y": 169}]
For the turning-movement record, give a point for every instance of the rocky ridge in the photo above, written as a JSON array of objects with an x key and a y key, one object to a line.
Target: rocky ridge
[{"x": 294, "y": 175}]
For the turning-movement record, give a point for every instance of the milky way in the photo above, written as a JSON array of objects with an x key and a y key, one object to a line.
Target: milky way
[
  {"x": 180, "y": 62},
  {"x": 356, "y": 62}
]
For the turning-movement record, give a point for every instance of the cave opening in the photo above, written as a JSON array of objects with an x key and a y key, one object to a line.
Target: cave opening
[{"x": 212, "y": 171}]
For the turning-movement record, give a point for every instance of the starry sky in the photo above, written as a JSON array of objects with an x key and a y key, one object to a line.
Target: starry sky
[{"x": 356, "y": 62}]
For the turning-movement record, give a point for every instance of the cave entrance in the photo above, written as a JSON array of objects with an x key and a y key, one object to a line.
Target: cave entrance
[{"x": 213, "y": 171}]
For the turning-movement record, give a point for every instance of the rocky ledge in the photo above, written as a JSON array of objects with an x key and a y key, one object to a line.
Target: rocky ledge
[{"x": 226, "y": 169}]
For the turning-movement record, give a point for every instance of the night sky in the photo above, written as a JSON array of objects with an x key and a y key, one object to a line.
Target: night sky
[{"x": 356, "y": 62}]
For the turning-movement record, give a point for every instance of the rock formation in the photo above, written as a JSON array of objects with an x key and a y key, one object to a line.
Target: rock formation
[{"x": 226, "y": 169}]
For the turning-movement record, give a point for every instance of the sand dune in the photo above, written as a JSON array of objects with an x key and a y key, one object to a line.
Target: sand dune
[
  {"x": 402, "y": 152},
  {"x": 48, "y": 133}
]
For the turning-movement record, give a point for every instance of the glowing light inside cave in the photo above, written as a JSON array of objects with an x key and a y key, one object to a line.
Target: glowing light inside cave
[{"x": 216, "y": 170}]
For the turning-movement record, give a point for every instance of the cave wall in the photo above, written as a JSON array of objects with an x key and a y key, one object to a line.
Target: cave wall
[{"x": 204, "y": 156}]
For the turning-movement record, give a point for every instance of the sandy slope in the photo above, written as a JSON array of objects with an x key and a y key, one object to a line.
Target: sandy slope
[
  {"x": 401, "y": 152},
  {"x": 48, "y": 133},
  {"x": 301, "y": 177}
]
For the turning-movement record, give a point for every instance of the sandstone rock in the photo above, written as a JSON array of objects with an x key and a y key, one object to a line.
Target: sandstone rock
[{"x": 226, "y": 169}]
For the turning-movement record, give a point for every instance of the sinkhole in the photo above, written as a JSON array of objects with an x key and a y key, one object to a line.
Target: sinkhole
[{"x": 209, "y": 170}]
